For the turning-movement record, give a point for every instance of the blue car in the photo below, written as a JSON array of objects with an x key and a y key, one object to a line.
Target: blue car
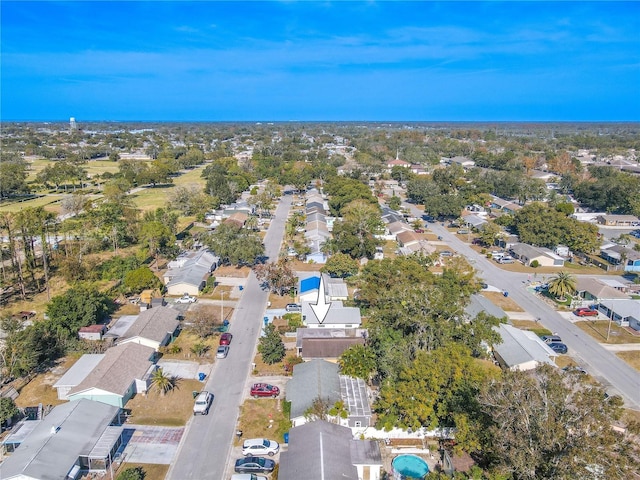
[
  {"x": 558, "y": 347},
  {"x": 254, "y": 465}
]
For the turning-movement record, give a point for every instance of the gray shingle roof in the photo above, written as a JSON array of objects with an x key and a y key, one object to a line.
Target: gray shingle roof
[
  {"x": 153, "y": 324},
  {"x": 46, "y": 455},
  {"x": 120, "y": 366},
  {"x": 337, "y": 314},
  {"x": 520, "y": 346},
  {"x": 318, "y": 451},
  {"x": 311, "y": 380}
]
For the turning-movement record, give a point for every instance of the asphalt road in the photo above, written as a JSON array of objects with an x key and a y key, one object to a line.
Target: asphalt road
[
  {"x": 616, "y": 375},
  {"x": 204, "y": 452}
]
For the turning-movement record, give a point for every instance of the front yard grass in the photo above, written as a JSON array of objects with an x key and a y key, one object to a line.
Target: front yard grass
[
  {"x": 505, "y": 303},
  {"x": 632, "y": 358},
  {"x": 598, "y": 330},
  {"x": 263, "y": 417},
  {"x": 170, "y": 410}
]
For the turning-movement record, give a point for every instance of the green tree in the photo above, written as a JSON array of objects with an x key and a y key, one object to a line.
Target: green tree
[
  {"x": 523, "y": 412},
  {"x": 341, "y": 265},
  {"x": 236, "y": 245},
  {"x": 358, "y": 361},
  {"x": 132, "y": 473},
  {"x": 155, "y": 236},
  {"x": 562, "y": 284},
  {"x": 271, "y": 346},
  {"x": 278, "y": 276},
  {"x": 8, "y": 409},
  {"x": 140, "y": 279},
  {"x": 13, "y": 175},
  {"x": 489, "y": 233},
  {"x": 163, "y": 382},
  {"x": 394, "y": 203},
  {"x": 80, "y": 306}
]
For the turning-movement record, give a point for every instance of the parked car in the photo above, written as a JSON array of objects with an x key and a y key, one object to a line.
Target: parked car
[
  {"x": 551, "y": 338},
  {"x": 223, "y": 351},
  {"x": 247, "y": 476},
  {"x": 418, "y": 230},
  {"x": 585, "y": 312},
  {"x": 225, "y": 338},
  {"x": 260, "y": 446},
  {"x": 293, "y": 307},
  {"x": 506, "y": 259},
  {"x": 264, "y": 390},
  {"x": 446, "y": 253},
  {"x": 186, "y": 299},
  {"x": 463, "y": 231},
  {"x": 254, "y": 465},
  {"x": 202, "y": 403},
  {"x": 558, "y": 347}
]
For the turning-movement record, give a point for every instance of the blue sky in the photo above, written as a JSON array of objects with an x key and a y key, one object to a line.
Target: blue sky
[{"x": 314, "y": 61}]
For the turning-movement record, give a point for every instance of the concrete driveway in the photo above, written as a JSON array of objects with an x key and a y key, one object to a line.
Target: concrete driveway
[{"x": 150, "y": 444}]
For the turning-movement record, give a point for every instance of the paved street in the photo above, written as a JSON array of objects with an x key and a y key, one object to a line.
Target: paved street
[
  {"x": 206, "y": 446},
  {"x": 601, "y": 363}
]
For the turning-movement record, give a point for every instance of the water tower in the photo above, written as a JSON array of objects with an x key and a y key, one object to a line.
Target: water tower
[{"x": 72, "y": 123}]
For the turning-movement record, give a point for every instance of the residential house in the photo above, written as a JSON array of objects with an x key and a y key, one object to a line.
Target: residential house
[
  {"x": 338, "y": 316},
  {"x": 528, "y": 254},
  {"x": 618, "y": 220},
  {"x": 154, "y": 328},
  {"x": 312, "y": 380},
  {"x": 319, "y": 379},
  {"x": 326, "y": 343},
  {"x": 77, "y": 373},
  {"x": 335, "y": 288},
  {"x": 321, "y": 450},
  {"x": 189, "y": 273},
  {"x": 479, "y": 303},
  {"x": 521, "y": 349},
  {"x": 398, "y": 163},
  {"x": 237, "y": 218},
  {"x": 123, "y": 371},
  {"x": 504, "y": 206},
  {"x": 75, "y": 438},
  {"x": 462, "y": 161},
  {"x": 625, "y": 313},
  {"x": 407, "y": 238},
  {"x": 620, "y": 255},
  {"x": 396, "y": 227},
  {"x": 593, "y": 290}
]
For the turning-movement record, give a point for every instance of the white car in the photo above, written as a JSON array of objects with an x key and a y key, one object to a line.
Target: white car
[
  {"x": 260, "y": 446},
  {"x": 186, "y": 299},
  {"x": 202, "y": 403},
  {"x": 247, "y": 476},
  {"x": 223, "y": 351}
]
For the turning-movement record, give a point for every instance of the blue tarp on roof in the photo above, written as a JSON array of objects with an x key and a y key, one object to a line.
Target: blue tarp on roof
[{"x": 308, "y": 284}]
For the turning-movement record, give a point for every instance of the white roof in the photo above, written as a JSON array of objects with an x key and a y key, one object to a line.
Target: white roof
[
  {"x": 521, "y": 346},
  {"x": 623, "y": 308},
  {"x": 79, "y": 370}
]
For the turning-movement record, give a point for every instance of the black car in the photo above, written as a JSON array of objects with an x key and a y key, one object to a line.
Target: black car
[
  {"x": 254, "y": 465},
  {"x": 558, "y": 347}
]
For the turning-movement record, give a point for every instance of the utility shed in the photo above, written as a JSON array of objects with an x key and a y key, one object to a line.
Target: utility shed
[{"x": 64, "y": 443}]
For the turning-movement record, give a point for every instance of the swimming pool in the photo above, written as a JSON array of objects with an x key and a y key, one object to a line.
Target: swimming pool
[{"x": 409, "y": 466}]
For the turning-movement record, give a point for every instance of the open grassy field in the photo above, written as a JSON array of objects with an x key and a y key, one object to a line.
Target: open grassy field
[
  {"x": 505, "y": 303},
  {"x": 263, "y": 417},
  {"x": 50, "y": 202}
]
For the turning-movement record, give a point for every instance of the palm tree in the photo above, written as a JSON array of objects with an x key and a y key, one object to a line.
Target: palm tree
[
  {"x": 163, "y": 382},
  {"x": 562, "y": 284}
]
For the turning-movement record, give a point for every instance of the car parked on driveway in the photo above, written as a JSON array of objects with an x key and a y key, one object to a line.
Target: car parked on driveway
[
  {"x": 186, "y": 299},
  {"x": 254, "y": 465},
  {"x": 223, "y": 351},
  {"x": 264, "y": 390},
  {"x": 202, "y": 403},
  {"x": 225, "y": 338},
  {"x": 558, "y": 347},
  {"x": 260, "y": 446},
  {"x": 585, "y": 312}
]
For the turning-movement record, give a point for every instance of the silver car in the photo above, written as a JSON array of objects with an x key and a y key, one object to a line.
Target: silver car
[{"x": 223, "y": 351}]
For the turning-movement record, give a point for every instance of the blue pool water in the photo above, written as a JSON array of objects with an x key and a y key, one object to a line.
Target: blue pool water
[{"x": 409, "y": 466}]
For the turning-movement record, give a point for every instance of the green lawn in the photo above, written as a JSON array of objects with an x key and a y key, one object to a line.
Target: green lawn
[{"x": 598, "y": 330}]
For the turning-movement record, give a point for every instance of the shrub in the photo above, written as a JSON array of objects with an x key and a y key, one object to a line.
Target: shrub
[
  {"x": 535, "y": 264},
  {"x": 136, "y": 473}
]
